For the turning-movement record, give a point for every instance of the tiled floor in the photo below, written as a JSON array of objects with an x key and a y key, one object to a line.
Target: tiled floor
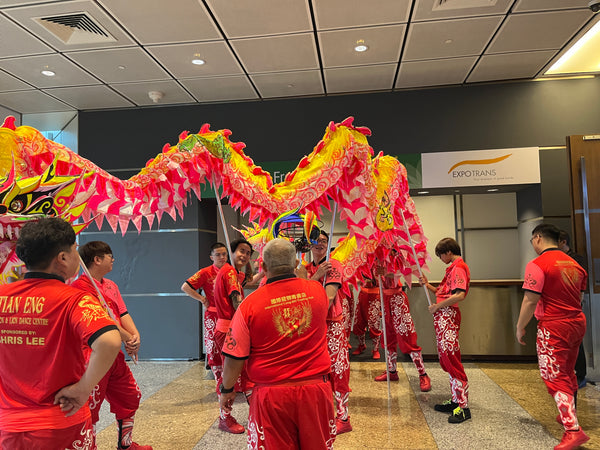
[{"x": 509, "y": 403}]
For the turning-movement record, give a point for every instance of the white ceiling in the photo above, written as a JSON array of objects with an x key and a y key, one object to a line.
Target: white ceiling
[{"x": 260, "y": 49}]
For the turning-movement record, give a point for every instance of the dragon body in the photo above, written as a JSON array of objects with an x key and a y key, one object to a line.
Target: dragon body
[{"x": 371, "y": 192}]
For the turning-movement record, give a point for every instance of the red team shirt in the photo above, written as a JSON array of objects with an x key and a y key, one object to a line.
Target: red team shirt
[
  {"x": 228, "y": 280},
  {"x": 110, "y": 292},
  {"x": 45, "y": 324},
  {"x": 333, "y": 277},
  {"x": 559, "y": 280},
  {"x": 281, "y": 329},
  {"x": 205, "y": 279},
  {"x": 457, "y": 278}
]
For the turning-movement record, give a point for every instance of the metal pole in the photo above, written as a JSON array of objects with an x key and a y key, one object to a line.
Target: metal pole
[
  {"x": 385, "y": 345},
  {"x": 414, "y": 255},
  {"x": 222, "y": 219},
  {"x": 588, "y": 242},
  {"x": 330, "y": 236}
]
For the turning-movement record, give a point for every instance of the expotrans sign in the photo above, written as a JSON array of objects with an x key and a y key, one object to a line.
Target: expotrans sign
[{"x": 481, "y": 167}]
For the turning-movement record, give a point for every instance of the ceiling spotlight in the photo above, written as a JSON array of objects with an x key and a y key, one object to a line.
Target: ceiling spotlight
[
  {"x": 423, "y": 192},
  {"x": 360, "y": 46},
  {"x": 121, "y": 67},
  {"x": 492, "y": 190},
  {"x": 48, "y": 73},
  {"x": 197, "y": 60},
  {"x": 448, "y": 41}
]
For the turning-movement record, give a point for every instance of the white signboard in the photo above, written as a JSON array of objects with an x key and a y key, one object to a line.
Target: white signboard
[{"x": 481, "y": 167}]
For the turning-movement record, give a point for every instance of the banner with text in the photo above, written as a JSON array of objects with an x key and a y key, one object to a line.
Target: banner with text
[{"x": 481, "y": 167}]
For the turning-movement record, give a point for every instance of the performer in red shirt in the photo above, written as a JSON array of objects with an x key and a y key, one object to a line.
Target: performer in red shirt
[
  {"x": 280, "y": 332},
  {"x": 446, "y": 321},
  {"x": 205, "y": 279},
  {"x": 400, "y": 330},
  {"x": 368, "y": 313},
  {"x": 229, "y": 293},
  {"x": 118, "y": 386},
  {"x": 331, "y": 271},
  {"x": 554, "y": 285},
  {"x": 44, "y": 381}
]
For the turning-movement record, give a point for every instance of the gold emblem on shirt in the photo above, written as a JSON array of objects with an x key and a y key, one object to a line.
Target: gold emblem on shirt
[
  {"x": 292, "y": 319},
  {"x": 92, "y": 310}
]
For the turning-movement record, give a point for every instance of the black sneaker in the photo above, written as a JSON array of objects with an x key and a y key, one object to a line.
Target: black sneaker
[
  {"x": 459, "y": 415},
  {"x": 446, "y": 407}
]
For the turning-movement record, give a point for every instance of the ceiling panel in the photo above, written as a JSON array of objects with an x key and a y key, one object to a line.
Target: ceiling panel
[
  {"x": 436, "y": 9},
  {"x": 385, "y": 43},
  {"x": 219, "y": 60},
  {"x": 243, "y": 18},
  {"x": 509, "y": 66},
  {"x": 220, "y": 89},
  {"x": 10, "y": 83},
  {"x": 538, "y": 31},
  {"x": 449, "y": 38},
  {"x": 547, "y": 5},
  {"x": 151, "y": 23},
  {"x": 90, "y": 97},
  {"x": 288, "y": 84},
  {"x": 4, "y": 3},
  {"x": 18, "y": 42},
  {"x": 118, "y": 65},
  {"x": 27, "y": 102},
  {"x": 278, "y": 53},
  {"x": 435, "y": 72},
  {"x": 330, "y": 14},
  {"x": 360, "y": 79},
  {"x": 264, "y": 49},
  {"x": 138, "y": 93},
  {"x": 30, "y": 68}
]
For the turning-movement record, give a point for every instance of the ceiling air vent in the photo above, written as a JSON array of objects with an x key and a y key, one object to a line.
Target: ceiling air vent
[
  {"x": 445, "y": 5},
  {"x": 77, "y": 28}
]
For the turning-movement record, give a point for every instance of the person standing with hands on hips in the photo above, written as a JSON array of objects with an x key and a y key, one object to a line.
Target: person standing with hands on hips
[
  {"x": 446, "y": 320},
  {"x": 554, "y": 285}
]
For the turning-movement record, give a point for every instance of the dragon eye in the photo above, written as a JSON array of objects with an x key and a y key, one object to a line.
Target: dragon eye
[{"x": 16, "y": 205}]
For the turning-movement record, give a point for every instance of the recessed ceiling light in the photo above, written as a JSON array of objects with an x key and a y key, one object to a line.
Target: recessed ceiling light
[
  {"x": 448, "y": 41},
  {"x": 48, "y": 73},
  {"x": 197, "y": 59},
  {"x": 423, "y": 192},
  {"x": 492, "y": 190},
  {"x": 121, "y": 67},
  {"x": 360, "y": 46}
]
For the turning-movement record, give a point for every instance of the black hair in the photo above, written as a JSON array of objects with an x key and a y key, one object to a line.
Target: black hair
[
  {"x": 564, "y": 236},
  {"x": 235, "y": 244},
  {"x": 216, "y": 245},
  {"x": 447, "y": 245},
  {"x": 41, "y": 241},
  {"x": 547, "y": 231},
  {"x": 92, "y": 249}
]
